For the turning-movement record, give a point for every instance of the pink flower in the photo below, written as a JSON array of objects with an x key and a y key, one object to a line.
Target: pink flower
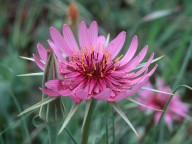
[
  {"x": 176, "y": 110},
  {"x": 92, "y": 68}
]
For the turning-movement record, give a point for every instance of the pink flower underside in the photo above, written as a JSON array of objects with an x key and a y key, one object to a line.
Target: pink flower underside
[
  {"x": 176, "y": 109},
  {"x": 119, "y": 82}
]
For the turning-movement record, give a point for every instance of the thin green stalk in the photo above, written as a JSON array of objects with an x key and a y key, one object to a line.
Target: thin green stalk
[
  {"x": 106, "y": 126},
  {"x": 113, "y": 126},
  {"x": 86, "y": 127}
]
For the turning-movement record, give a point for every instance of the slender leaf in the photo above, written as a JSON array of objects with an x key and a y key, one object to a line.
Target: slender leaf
[
  {"x": 143, "y": 64},
  {"x": 32, "y": 74},
  {"x": 132, "y": 100},
  {"x": 37, "y": 105},
  {"x": 121, "y": 113},
  {"x": 69, "y": 116},
  {"x": 157, "y": 91},
  {"x": 27, "y": 58}
]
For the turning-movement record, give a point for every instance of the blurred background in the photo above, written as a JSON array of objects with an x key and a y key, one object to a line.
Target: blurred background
[{"x": 165, "y": 26}]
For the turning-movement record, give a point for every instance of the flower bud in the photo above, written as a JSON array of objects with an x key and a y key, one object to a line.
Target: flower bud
[{"x": 53, "y": 111}]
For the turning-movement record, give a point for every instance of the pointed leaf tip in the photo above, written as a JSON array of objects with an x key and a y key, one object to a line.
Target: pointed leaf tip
[
  {"x": 69, "y": 116},
  {"x": 121, "y": 113}
]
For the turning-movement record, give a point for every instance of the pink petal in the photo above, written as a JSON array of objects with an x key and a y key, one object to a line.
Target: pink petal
[
  {"x": 81, "y": 94},
  {"x": 101, "y": 41},
  {"x": 42, "y": 52},
  {"x": 59, "y": 41},
  {"x": 144, "y": 94},
  {"x": 123, "y": 95},
  {"x": 83, "y": 35},
  {"x": 131, "y": 51},
  {"x": 53, "y": 84},
  {"x": 168, "y": 119},
  {"x": 160, "y": 82},
  {"x": 69, "y": 38},
  {"x": 115, "y": 45},
  {"x": 49, "y": 92},
  {"x": 66, "y": 92},
  {"x": 93, "y": 33},
  {"x": 134, "y": 62},
  {"x": 92, "y": 85},
  {"x": 38, "y": 62},
  {"x": 157, "y": 117},
  {"x": 56, "y": 51},
  {"x": 100, "y": 44},
  {"x": 104, "y": 95},
  {"x": 118, "y": 97},
  {"x": 152, "y": 71},
  {"x": 143, "y": 68}
]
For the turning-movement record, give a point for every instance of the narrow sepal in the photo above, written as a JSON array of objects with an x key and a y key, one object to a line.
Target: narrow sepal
[
  {"x": 37, "y": 105},
  {"x": 121, "y": 113},
  {"x": 143, "y": 64},
  {"x": 134, "y": 101},
  {"x": 69, "y": 116},
  {"x": 32, "y": 74}
]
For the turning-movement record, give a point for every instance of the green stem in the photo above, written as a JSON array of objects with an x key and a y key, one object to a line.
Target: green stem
[
  {"x": 53, "y": 131},
  {"x": 86, "y": 127}
]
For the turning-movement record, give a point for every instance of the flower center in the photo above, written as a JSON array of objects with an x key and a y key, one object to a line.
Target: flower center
[{"x": 93, "y": 63}]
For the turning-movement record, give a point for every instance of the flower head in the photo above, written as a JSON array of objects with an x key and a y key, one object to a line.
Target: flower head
[
  {"x": 176, "y": 109},
  {"x": 93, "y": 68}
]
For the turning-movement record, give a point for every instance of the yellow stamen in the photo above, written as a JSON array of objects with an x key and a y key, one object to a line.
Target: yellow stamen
[
  {"x": 90, "y": 75},
  {"x": 92, "y": 49},
  {"x": 102, "y": 74},
  {"x": 86, "y": 51},
  {"x": 107, "y": 56},
  {"x": 75, "y": 55},
  {"x": 94, "y": 65},
  {"x": 83, "y": 66},
  {"x": 117, "y": 59},
  {"x": 103, "y": 64},
  {"x": 73, "y": 65}
]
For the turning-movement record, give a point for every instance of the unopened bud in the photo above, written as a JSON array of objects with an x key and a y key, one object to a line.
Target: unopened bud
[
  {"x": 53, "y": 111},
  {"x": 73, "y": 13}
]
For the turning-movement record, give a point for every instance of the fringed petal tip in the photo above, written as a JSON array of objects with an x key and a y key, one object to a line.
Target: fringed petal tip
[{"x": 49, "y": 92}]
